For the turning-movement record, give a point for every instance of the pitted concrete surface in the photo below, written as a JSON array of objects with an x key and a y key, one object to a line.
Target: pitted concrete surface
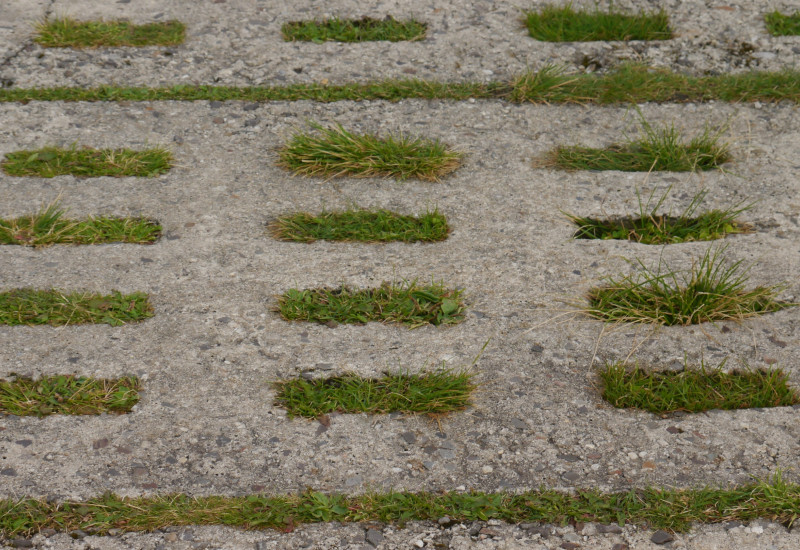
[
  {"x": 238, "y": 42},
  {"x": 206, "y": 423}
]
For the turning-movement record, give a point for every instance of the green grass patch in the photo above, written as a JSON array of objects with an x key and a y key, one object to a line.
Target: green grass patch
[
  {"x": 68, "y": 395},
  {"x": 695, "y": 390},
  {"x": 87, "y": 163},
  {"x": 779, "y": 24},
  {"x": 48, "y": 226},
  {"x": 52, "y": 307},
  {"x": 673, "y": 509},
  {"x": 659, "y": 149},
  {"x": 634, "y": 83},
  {"x": 408, "y": 303},
  {"x": 628, "y": 83},
  {"x": 69, "y": 33},
  {"x": 565, "y": 24},
  {"x": 437, "y": 392},
  {"x": 354, "y": 30},
  {"x": 651, "y": 227},
  {"x": 360, "y": 225},
  {"x": 334, "y": 152},
  {"x": 711, "y": 291}
]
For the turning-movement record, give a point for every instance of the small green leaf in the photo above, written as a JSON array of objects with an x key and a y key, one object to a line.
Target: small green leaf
[{"x": 449, "y": 306}]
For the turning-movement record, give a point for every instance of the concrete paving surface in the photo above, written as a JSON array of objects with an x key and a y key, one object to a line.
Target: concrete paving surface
[{"x": 206, "y": 423}]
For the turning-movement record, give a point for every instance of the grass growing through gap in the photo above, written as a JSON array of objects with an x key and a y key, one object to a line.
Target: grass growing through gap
[
  {"x": 565, "y": 24},
  {"x": 48, "y": 226},
  {"x": 779, "y": 24},
  {"x": 435, "y": 392},
  {"x": 68, "y": 395},
  {"x": 407, "y": 303},
  {"x": 711, "y": 291},
  {"x": 354, "y": 30},
  {"x": 69, "y": 33},
  {"x": 88, "y": 163},
  {"x": 52, "y": 307},
  {"x": 672, "y": 509},
  {"x": 360, "y": 225},
  {"x": 628, "y": 83},
  {"x": 334, "y": 152},
  {"x": 660, "y": 149},
  {"x": 695, "y": 390},
  {"x": 652, "y": 227}
]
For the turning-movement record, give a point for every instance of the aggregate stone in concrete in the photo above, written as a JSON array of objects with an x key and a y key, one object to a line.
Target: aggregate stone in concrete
[
  {"x": 491, "y": 535},
  {"x": 238, "y": 42},
  {"x": 206, "y": 423}
]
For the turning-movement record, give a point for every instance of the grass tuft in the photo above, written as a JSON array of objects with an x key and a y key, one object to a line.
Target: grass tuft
[
  {"x": 52, "y": 307},
  {"x": 659, "y": 149},
  {"x": 360, "y": 225},
  {"x": 709, "y": 292},
  {"x": 695, "y": 390},
  {"x": 407, "y": 303},
  {"x": 565, "y": 24},
  {"x": 652, "y": 227},
  {"x": 48, "y": 226},
  {"x": 334, "y": 152},
  {"x": 68, "y": 395},
  {"x": 354, "y": 30},
  {"x": 779, "y": 24},
  {"x": 435, "y": 392},
  {"x": 69, "y": 33},
  {"x": 87, "y": 163},
  {"x": 673, "y": 509}
]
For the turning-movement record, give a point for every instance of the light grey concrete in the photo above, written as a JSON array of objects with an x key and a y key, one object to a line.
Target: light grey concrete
[
  {"x": 206, "y": 424},
  {"x": 238, "y": 42}
]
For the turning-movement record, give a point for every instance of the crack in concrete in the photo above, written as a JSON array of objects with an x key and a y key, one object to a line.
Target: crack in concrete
[{"x": 6, "y": 82}]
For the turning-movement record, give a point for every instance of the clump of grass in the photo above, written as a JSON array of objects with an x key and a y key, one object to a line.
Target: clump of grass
[
  {"x": 68, "y": 395},
  {"x": 435, "y": 392},
  {"x": 69, "y": 33},
  {"x": 334, "y": 152},
  {"x": 360, "y": 225},
  {"x": 636, "y": 83},
  {"x": 88, "y": 163},
  {"x": 674, "y": 509},
  {"x": 779, "y": 24},
  {"x": 407, "y": 303},
  {"x": 48, "y": 226},
  {"x": 565, "y": 24},
  {"x": 654, "y": 228},
  {"x": 354, "y": 30},
  {"x": 695, "y": 390},
  {"x": 709, "y": 292},
  {"x": 660, "y": 149},
  {"x": 52, "y": 307}
]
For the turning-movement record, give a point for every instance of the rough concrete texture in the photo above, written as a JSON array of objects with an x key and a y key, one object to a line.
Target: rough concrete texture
[
  {"x": 206, "y": 424},
  {"x": 238, "y": 42}
]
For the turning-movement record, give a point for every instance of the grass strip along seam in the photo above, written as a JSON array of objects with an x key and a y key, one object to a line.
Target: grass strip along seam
[
  {"x": 672, "y": 509},
  {"x": 628, "y": 83}
]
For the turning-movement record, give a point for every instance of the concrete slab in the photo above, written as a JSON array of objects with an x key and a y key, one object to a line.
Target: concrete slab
[{"x": 238, "y": 42}]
